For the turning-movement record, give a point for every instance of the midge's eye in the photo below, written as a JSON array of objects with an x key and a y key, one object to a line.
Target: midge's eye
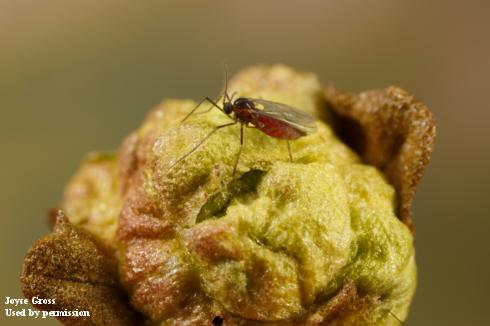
[{"x": 228, "y": 107}]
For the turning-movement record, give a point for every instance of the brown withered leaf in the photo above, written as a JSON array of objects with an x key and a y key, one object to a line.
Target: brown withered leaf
[
  {"x": 391, "y": 130},
  {"x": 68, "y": 267}
]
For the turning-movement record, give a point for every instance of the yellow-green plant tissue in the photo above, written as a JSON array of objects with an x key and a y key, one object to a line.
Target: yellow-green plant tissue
[{"x": 315, "y": 241}]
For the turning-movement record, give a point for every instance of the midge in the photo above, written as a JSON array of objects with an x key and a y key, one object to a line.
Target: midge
[{"x": 273, "y": 119}]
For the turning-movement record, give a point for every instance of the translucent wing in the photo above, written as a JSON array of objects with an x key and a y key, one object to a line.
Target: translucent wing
[{"x": 286, "y": 113}]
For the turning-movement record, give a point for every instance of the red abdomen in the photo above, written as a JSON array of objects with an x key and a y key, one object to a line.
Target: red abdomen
[{"x": 276, "y": 128}]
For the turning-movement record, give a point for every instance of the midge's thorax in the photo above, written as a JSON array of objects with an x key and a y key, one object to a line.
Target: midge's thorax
[{"x": 243, "y": 110}]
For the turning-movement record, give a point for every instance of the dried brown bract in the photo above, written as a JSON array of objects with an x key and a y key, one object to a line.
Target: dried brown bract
[
  {"x": 391, "y": 130},
  {"x": 68, "y": 267}
]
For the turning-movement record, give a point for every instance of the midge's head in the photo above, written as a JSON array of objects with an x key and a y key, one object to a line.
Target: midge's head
[
  {"x": 228, "y": 107},
  {"x": 228, "y": 103}
]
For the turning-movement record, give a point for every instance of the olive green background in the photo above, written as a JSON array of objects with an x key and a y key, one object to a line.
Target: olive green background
[{"x": 77, "y": 76}]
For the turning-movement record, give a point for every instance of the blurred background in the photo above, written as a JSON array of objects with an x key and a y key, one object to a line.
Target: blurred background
[{"x": 78, "y": 76}]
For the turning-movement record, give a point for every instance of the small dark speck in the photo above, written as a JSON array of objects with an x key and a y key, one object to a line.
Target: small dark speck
[{"x": 218, "y": 321}]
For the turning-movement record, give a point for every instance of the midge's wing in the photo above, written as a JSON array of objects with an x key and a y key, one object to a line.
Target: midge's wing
[{"x": 286, "y": 113}]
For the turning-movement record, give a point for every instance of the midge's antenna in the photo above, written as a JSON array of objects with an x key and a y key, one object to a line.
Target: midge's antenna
[{"x": 225, "y": 69}]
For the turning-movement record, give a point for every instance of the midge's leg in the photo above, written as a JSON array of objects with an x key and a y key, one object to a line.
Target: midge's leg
[
  {"x": 289, "y": 150},
  {"x": 214, "y": 105},
  {"x": 394, "y": 316},
  {"x": 240, "y": 150},
  {"x": 201, "y": 142}
]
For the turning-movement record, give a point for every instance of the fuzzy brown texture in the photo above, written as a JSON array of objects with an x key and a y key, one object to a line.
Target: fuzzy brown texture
[
  {"x": 391, "y": 130},
  {"x": 68, "y": 266}
]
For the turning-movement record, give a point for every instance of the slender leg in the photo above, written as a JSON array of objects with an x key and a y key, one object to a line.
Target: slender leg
[
  {"x": 240, "y": 150},
  {"x": 398, "y": 319},
  {"x": 201, "y": 142},
  {"x": 214, "y": 105},
  {"x": 289, "y": 150}
]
